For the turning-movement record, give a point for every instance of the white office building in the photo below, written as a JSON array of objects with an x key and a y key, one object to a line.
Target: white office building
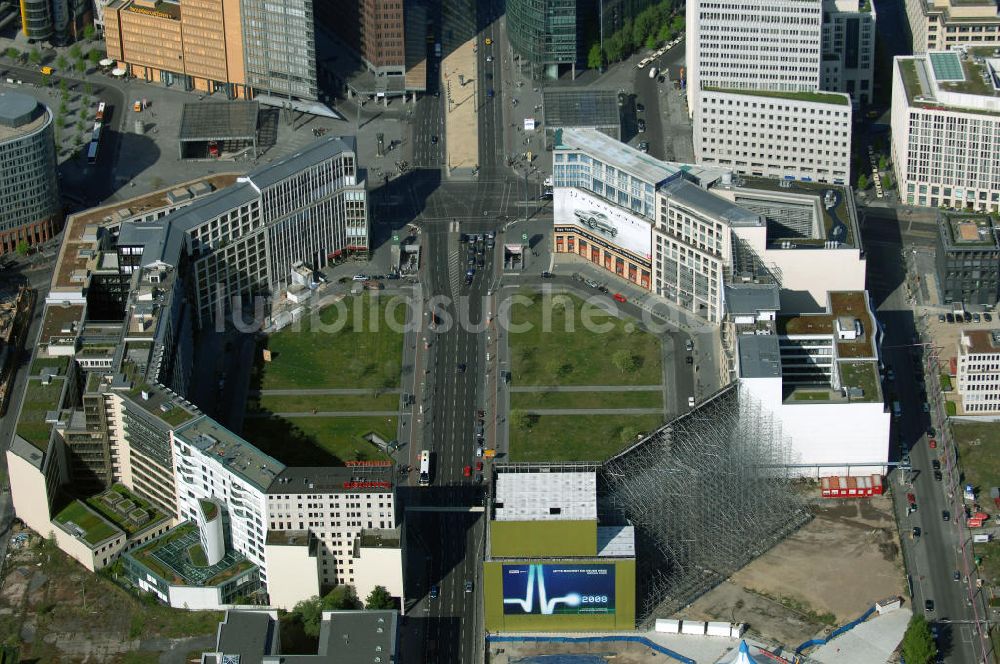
[
  {"x": 946, "y": 129},
  {"x": 215, "y": 466},
  {"x": 693, "y": 246},
  {"x": 819, "y": 374},
  {"x": 849, "y": 49},
  {"x": 795, "y": 135},
  {"x": 748, "y": 45},
  {"x": 978, "y": 372},
  {"x": 243, "y": 240},
  {"x": 338, "y": 523},
  {"x": 754, "y": 75}
]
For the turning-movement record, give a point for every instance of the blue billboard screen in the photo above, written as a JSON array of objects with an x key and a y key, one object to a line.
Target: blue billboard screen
[{"x": 556, "y": 589}]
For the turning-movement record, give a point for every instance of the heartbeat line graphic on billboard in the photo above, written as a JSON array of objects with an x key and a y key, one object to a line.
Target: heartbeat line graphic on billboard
[
  {"x": 549, "y": 589},
  {"x": 547, "y": 606}
]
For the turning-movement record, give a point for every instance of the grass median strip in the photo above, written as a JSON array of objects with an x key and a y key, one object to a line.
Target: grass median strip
[
  {"x": 548, "y": 400},
  {"x": 304, "y": 403},
  {"x": 318, "y": 441},
  {"x": 576, "y": 437}
]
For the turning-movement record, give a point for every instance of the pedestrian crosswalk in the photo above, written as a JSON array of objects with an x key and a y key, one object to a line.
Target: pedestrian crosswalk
[{"x": 454, "y": 273}]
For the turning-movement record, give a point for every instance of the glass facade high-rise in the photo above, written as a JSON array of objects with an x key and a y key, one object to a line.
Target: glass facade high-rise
[
  {"x": 544, "y": 32},
  {"x": 279, "y": 44},
  {"x": 29, "y": 191}
]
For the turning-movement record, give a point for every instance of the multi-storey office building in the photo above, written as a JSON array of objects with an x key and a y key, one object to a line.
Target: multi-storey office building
[
  {"x": 554, "y": 35},
  {"x": 605, "y": 200},
  {"x": 819, "y": 374},
  {"x": 30, "y": 210},
  {"x": 348, "y": 522},
  {"x": 195, "y": 47},
  {"x": 937, "y": 25},
  {"x": 693, "y": 246},
  {"x": 240, "y": 48},
  {"x": 978, "y": 371},
  {"x": 213, "y": 464},
  {"x": 752, "y": 46},
  {"x": 800, "y": 135},
  {"x": 754, "y": 75},
  {"x": 849, "y": 49},
  {"x": 968, "y": 259},
  {"x": 244, "y": 240},
  {"x": 946, "y": 129}
]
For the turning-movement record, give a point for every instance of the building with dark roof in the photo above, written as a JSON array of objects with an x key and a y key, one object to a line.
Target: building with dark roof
[
  {"x": 345, "y": 637},
  {"x": 968, "y": 259},
  {"x": 30, "y": 211}
]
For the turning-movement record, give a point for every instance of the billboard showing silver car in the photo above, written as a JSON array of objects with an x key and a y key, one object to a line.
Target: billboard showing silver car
[
  {"x": 596, "y": 221},
  {"x": 603, "y": 220}
]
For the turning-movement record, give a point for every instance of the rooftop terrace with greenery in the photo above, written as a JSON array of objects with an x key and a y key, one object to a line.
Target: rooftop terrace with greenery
[
  {"x": 119, "y": 506},
  {"x": 174, "y": 559},
  {"x": 863, "y": 375},
  {"x": 38, "y": 400},
  {"x": 969, "y": 230},
  {"x": 816, "y": 97},
  {"x": 90, "y": 526}
]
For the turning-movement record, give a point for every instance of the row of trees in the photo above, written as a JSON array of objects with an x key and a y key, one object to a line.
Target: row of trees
[
  {"x": 342, "y": 598},
  {"x": 653, "y": 26},
  {"x": 76, "y": 54}
]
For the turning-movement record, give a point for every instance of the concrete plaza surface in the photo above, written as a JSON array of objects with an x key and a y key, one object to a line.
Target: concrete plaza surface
[
  {"x": 871, "y": 642},
  {"x": 461, "y": 90}
]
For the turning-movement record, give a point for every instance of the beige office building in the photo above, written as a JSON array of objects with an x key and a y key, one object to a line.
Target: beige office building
[
  {"x": 938, "y": 25},
  {"x": 197, "y": 47}
]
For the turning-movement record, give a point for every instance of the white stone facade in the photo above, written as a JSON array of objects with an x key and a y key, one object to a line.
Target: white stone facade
[{"x": 775, "y": 137}]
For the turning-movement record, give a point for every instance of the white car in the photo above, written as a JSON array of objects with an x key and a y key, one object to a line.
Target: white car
[
  {"x": 360, "y": 277},
  {"x": 690, "y": 402}
]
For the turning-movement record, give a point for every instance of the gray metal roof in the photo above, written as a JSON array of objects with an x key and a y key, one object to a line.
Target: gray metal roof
[
  {"x": 760, "y": 356},
  {"x": 616, "y": 153},
  {"x": 312, "y": 154},
  {"x": 249, "y": 634},
  {"x": 163, "y": 239},
  {"x": 355, "y": 637},
  {"x": 581, "y": 107},
  {"x": 236, "y": 454},
  {"x": 641, "y": 165},
  {"x": 716, "y": 207},
  {"x": 219, "y": 121},
  {"x": 331, "y": 479},
  {"x": 16, "y": 109},
  {"x": 750, "y": 299}
]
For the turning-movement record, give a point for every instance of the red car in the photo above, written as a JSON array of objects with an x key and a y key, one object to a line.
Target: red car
[
  {"x": 467, "y": 471},
  {"x": 933, "y": 443},
  {"x": 619, "y": 297},
  {"x": 479, "y": 466},
  {"x": 910, "y": 498}
]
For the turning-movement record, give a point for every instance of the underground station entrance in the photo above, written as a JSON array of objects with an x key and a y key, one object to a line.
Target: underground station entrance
[{"x": 219, "y": 130}]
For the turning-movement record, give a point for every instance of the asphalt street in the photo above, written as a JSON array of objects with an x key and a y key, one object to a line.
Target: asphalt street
[{"x": 933, "y": 556}]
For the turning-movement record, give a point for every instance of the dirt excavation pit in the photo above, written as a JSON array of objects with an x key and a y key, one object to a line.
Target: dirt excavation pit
[{"x": 826, "y": 574}]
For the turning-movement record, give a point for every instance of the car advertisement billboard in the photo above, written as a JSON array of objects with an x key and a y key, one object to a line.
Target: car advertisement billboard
[
  {"x": 558, "y": 589},
  {"x": 603, "y": 220}
]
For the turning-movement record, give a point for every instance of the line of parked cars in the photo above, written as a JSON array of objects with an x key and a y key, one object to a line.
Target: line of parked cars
[{"x": 965, "y": 317}]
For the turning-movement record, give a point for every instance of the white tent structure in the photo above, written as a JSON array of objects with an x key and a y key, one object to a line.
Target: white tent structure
[{"x": 742, "y": 656}]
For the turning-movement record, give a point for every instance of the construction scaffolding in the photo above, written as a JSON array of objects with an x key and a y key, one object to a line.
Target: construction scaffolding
[{"x": 707, "y": 493}]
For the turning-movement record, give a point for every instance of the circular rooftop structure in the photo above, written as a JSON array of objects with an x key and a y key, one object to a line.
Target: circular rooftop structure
[{"x": 17, "y": 109}]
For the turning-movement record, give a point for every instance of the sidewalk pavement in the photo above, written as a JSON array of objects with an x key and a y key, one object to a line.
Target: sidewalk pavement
[
  {"x": 870, "y": 642},
  {"x": 331, "y": 413}
]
